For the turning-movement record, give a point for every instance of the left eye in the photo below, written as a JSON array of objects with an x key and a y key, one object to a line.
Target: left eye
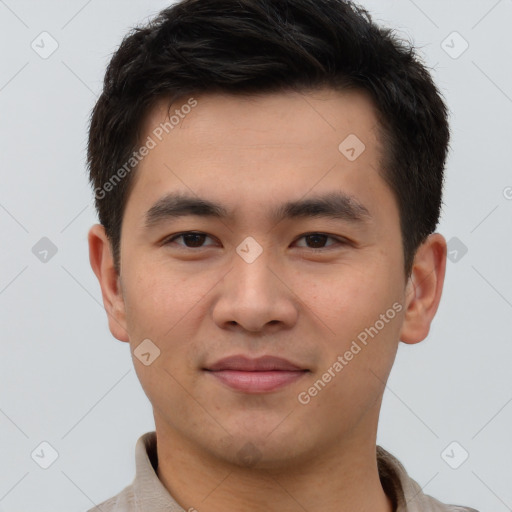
[
  {"x": 193, "y": 239},
  {"x": 319, "y": 239}
]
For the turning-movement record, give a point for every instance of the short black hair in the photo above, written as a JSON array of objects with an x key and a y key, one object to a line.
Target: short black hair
[{"x": 265, "y": 46}]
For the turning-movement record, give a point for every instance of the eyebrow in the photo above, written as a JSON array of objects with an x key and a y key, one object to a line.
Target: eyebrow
[{"x": 333, "y": 205}]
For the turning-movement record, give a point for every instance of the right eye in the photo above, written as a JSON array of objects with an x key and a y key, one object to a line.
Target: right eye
[{"x": 191, "y": 239}]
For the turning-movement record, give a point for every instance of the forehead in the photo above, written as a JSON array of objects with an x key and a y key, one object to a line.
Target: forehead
[
  {"x": 304, "y": 114},
  {"x": 260, "y": 149}
]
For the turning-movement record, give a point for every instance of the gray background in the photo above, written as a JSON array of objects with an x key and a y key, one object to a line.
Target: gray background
[{"x": 64, "y": 378}]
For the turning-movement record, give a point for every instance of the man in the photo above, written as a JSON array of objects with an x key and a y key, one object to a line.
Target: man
[{"x": 268, "y": 176}]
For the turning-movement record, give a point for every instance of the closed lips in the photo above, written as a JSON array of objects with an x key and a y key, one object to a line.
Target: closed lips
[{"x": 260, "y": 364}]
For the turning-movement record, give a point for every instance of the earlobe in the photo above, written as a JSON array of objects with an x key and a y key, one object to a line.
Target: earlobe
[
  {"x": 102, "y": 264},
  {"x": 424, "y": 289}
]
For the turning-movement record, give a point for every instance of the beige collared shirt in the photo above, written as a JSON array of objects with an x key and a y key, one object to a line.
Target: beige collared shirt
[{"x": 147, "y": 494}]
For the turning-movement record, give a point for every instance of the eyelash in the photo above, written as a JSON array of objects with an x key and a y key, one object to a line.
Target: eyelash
[{"x": 341, "y": 241}]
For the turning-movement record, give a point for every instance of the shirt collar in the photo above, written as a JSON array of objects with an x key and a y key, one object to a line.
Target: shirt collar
[{"x": 150, "y": 495}]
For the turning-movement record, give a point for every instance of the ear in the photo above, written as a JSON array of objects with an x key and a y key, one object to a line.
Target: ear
[
  {"x": 424, "y": 288},
  {"x": 102, "y": 263}
]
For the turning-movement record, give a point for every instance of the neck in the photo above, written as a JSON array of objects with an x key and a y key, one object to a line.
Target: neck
[{"x": 342, "y": 479}]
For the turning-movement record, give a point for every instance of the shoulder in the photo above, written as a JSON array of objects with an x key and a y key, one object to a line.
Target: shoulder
[
  {"x": 121, "y": 502},
  {"x": 407, "y": 492}
]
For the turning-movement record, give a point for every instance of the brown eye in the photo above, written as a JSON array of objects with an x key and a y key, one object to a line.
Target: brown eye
[
  {"x": 190, "y": 239},
  {"x": 318, "y": 240}
]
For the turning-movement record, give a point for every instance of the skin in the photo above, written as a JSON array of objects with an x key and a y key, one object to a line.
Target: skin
[{"x": 199, "y": 305}]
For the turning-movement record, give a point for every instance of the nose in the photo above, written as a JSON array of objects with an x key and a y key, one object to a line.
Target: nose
[{"x": 255, "y": 297}]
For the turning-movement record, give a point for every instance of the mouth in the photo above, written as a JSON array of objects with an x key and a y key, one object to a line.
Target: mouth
[{"x": 261, "y": 375}]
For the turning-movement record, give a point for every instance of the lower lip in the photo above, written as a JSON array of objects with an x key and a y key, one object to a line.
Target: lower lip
[{"x": 257, "y": 382}]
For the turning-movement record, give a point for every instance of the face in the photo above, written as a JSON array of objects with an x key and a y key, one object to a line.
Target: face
[{"x": 260, "y": 275}]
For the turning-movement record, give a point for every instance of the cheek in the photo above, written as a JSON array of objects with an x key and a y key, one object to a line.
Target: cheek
[
  {"x": 157, "y": 298},
  {"x": 163, "y": 308},
  {"x": 343, "y": 294},
  {"x": 348, "y": 304},
  {"x": 168, "y": 310}
]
